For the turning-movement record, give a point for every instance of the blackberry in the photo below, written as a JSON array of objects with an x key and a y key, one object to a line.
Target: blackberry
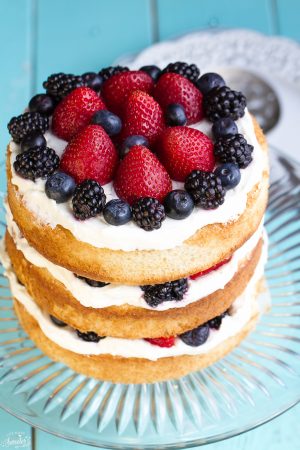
[
  {"x": 89, "y": 336},
  {"x": 108, "y": 72},
  {"x": 224, "y": 102},
  {"x": 189, "y": 71},
  {"x": 148, "y": 213},
  {"x": 205, "y": 188},
  {"x": 234, "y": 149},
  {"x": 216, "y": 322},
  {"x": 88, "y": 200},
  {"x": 170, "y": 291},
  {"x": 60, "y": 84},
  {"x": 93, "y": 283},
  {"x": 26, "y": 124},
  {"x": 37, "y": 162}
]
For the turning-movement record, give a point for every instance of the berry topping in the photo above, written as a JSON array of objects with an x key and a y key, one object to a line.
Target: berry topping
[
  {"x": 57, "y": 322},
  {"x": 108, "y": 72},
  {"x": 33, "y": 140},
  {"x": 148, "y": 213},
  {"x": 131, "y": 141},
  {"x": 175, "y": 115},
  {"x": 153, "y": 71},
  {"x": 92, "y": 80},
  {"x": 27, "y": 124},
  {"x": 36, "y": 162},
  {"x": 58, "y": 85},
  {"x": 178, "y": 204},
  {"x": 140, "y": 174},
  {"x": 173, "y": 88},
  {"x": 117, "y": 212},
  {"x": 162, "y": 341},
  {"x": 208, "y": 81},
  {"x": 234, "y": 149},
  {"x": 205, "y": 188},
  {"x": 89, "y": 336},
  {"x": 43, "y": 104},
  {"x": 224, "y": 102},
  {"x": 92, "y": 283},
  {"x": 109, "y": 121},
  {"x": 224, "y": 127},
  {"x": 205, "y": 272},
  {"x": 197, "y": 336},
  {"x": 75, "y": 111},
  {"x": 216, "y": 322},
  {"x": 189, "y": 71},
  {"x": 91, "y": 154},
  {"x": 171, "y": 291},
  {"x": 116, "y": 89},
  {"x": 229, "y": 175},
  {"x": 183, "y": 149},
  {"x": 60, "y": 187},
  {"x": 88, "y": 200}
]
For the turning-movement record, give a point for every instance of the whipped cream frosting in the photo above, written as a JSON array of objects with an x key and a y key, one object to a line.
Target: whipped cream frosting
[{"x": 129, "y": 237}]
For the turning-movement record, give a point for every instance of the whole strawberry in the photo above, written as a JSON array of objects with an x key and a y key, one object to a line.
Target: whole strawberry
[
  {"x": 75, "y": 111},
  {"x": 183, "y": 149},
  {"x": 140, "y": 174},
  {"x": 117, "y": 88},
  {"x": 174, "y": 88},
  {"x": 90, "y": 155}
]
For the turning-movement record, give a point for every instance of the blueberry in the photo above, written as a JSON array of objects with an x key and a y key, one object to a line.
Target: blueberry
[
  {"x": 209, "y": 81},
  {"x": 58, "y": 322},
  {"x": 178, "y": 204},
  {"x": 33, "y": 140},
  {"x": 109, "y": 121},
  {"x": 43, "y": 104},
  {"x": 130, "y": 141},
  {"x": 153, "y": 71},
  {"x": 117, "y": 212},
  {"x": 224, "y": 127},
  {"x": 197, "y": 336},
  {"x": 175, "y": 115},
  {"x": 229, "y": 174},
  {"x": 92, "y": 80},
  {"x": 60, "y": 187}
]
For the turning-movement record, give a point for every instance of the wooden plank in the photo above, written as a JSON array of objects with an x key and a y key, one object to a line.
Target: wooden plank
[{"x": 288, "y": 18}]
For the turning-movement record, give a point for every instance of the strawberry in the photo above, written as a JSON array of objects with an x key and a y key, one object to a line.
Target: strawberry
[
  {"x": 174, "y": 88},
  {"x": 205, "y": 272},
  {"x": 75, "y": 111},
  {"x": 117, "y": 88},
  {"x": 90, "y": 155},
  {"x": 162, "y": 341},
  {"x": 183, "y": 149},
  {"x": 140, "y": 174},
  {"x": 142, "y": 116}
]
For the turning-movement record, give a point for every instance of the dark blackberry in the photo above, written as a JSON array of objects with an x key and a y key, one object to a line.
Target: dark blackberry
[
  {"x": 108, "y": 72},
  {"x": 234, "y": 149},
  {"x": 26, "y": 124},
  {"x": 93, "y": 283},
  {"x": 216, "y": 322},
  {"x": 37, "y": 162},
  {"x": 158, "y": 293},
  {"x": 89, "y": 336},
  {"x": 60, "y": 84},
  {"x": 148, "y": 213},
  {"x": 224, "y": 102},
  {"x": 88, "y": 200},
  {"x": 205, "y": 188},
  {"x": 189, "y": 71}
]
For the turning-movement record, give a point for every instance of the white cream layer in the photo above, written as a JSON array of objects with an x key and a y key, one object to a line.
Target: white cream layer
[
  {"x": 129, "y": 237},
  {"x": 241, "y": 311},
  {"x": 116, "y": 294}
]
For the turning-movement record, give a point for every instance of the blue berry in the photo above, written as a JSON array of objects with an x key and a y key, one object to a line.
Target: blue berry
[
  {"x": 57, "y": 322},
  {"x": 43, "y": 104},
  {"x": 130, "y": 141},
  {"x": 178, "y": 204},
  {"x": 175, "y": 115},
  {"x": 117, "y": 212},
  {"x": 224, "y": 127},
  {"x": 92, "y": 80},
  {"x": 34, "y": 140},
  {"x": 197, "y": 336},
  {"x": 109, "y": 121},
  {"x": 153, "y": 71},
  {"x": 60, "y": 187},
  {"x": 209, "y": 81},
  {"x": 229, "y": 174}
]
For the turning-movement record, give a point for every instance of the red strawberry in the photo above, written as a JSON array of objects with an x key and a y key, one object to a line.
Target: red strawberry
[
  {"x": 75, "y": 111},
  {"x": 140, "y": 174},
  {"x": 91, "y": 154},
  {"x": 117, "y": 88},
  {"x": 183, "y": 149},
  {"x": 162, "y": 341},
  {"x": 143, "y": 116},
  {"x": 174, "y": 88},
  {"x": 204, "y": 272}
]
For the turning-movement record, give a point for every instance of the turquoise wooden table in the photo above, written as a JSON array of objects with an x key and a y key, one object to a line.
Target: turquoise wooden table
[{"x": 39, "y": 37}]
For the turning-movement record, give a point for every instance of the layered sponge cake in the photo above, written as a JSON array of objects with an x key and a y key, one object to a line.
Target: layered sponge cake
[{"x": 135, "y": 246}]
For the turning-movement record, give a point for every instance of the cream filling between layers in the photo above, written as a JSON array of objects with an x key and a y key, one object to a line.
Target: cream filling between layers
[
  {"x": 129, "y": 237},
  {"x": 118, "y": 295}
]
